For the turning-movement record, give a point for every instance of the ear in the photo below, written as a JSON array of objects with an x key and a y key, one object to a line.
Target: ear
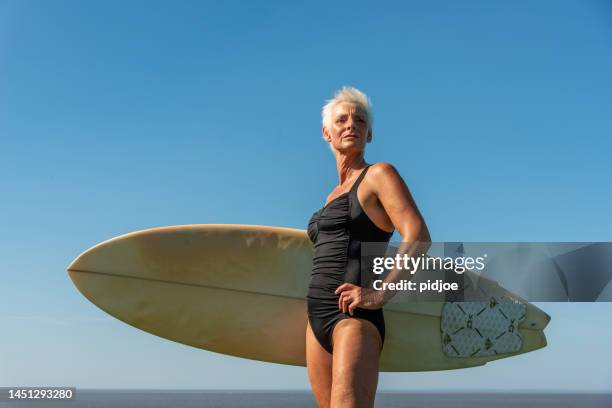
[
  {"x": 369, "y": 138},
  {"x": 326, "y": 135}
]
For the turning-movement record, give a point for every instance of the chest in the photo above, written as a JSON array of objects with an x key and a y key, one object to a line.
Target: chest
[{"x": 334, "y": 218}]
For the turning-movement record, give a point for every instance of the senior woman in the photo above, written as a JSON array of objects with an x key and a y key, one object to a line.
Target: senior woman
[{"x": 346, "y": 327}]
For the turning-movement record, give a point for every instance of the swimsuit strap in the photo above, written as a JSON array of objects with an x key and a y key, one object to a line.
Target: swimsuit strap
[{"x": 361, "y": 176}]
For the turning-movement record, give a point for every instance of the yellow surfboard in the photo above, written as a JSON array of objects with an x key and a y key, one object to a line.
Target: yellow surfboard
[{"x": 240, "y": 290}]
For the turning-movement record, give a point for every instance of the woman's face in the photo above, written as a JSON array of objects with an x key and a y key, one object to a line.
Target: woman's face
[{"x": 348, "y": 128}]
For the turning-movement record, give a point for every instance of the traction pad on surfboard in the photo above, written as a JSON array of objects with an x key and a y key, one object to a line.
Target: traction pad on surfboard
[{"x": 476, "y": 329}]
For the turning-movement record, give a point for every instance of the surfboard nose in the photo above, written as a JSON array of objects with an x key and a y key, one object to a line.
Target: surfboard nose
[
  {"x": 536, "y": 318},
  {"x": 548, "y": 318}
]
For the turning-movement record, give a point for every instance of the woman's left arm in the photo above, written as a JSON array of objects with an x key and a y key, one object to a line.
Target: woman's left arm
[{"x": 396, "y": 200}]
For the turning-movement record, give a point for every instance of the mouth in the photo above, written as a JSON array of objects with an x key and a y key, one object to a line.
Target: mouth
[{"x": 350, "y": 136}]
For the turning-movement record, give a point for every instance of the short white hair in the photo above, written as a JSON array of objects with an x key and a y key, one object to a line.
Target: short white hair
[{"x": 348, "y": 94}]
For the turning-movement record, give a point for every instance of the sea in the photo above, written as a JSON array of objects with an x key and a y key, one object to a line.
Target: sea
[{"x": 289, "y": 399}]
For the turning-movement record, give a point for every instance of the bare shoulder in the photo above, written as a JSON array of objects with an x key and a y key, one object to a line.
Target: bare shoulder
[{"x": 385, "y": 173}]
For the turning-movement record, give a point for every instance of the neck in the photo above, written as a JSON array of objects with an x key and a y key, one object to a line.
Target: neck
[{"x": 347, "y": 165}]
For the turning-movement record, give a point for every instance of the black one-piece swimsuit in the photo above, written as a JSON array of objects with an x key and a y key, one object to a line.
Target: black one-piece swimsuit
[{"x": 337, "y": 232}]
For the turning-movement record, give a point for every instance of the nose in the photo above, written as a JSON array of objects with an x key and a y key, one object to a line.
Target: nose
[{"x": 350, "y": 122}]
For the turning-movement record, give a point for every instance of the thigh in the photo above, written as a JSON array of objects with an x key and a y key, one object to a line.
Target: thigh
[
  {"x": 357, "y": 345},
  {"x": 319, "y": 365}
]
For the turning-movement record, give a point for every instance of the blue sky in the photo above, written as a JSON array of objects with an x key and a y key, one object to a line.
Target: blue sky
[{"x": 120, "y": 116}]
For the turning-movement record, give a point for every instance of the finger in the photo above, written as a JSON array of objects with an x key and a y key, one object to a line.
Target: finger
[
  {"x": 341, "y": 299},
  {"x": 345, "y": 302},
  {"x": 354, "y": 304},
  {"x": 344, "y": 286}
]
